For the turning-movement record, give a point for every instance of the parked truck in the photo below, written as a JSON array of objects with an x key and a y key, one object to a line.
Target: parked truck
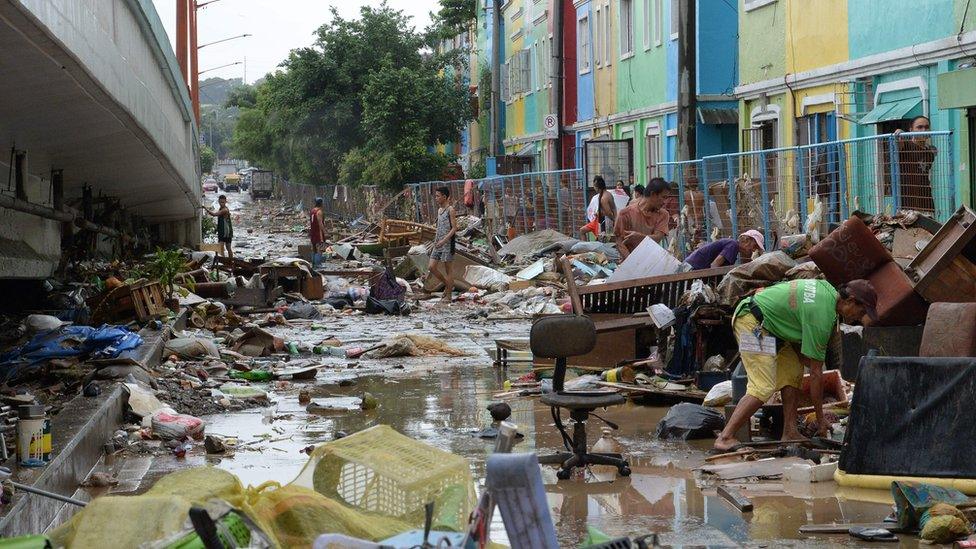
[{"x": 262, "y": 183}]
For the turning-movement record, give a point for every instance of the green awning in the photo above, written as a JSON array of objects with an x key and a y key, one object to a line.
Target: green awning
[{"x": 893, "y": 110}]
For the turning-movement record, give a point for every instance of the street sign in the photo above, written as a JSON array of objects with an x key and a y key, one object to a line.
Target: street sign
[{"x": 550, "y": 126}]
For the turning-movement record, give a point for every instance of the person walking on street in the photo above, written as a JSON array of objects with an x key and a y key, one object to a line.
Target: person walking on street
[
  {"x": 225, "y": 230},
  {"x": 442, "y": 256},
  {"x": 316, "y": 232},
  {"x": 915, "y": 158},
  {"x": 780, "y": 330},
  {"x": 725, "y": 251}
]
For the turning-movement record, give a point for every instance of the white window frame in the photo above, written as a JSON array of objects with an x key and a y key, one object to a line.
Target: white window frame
[
  {"x": 550, "y": 60},
  {"x": 583, "y": 59},
  {"x": 675, "y": 7},
  {"x": 607, "y": 35},
  {"x": 652, "y": 134},
  {"x": 658, "y": 22},
  {"x": 537, "y": 74},
  {"x": 598, "y": 38},
  {"x": 756, "y": 4},
  {"x": 647, "y": 6},
  {"x": 626, "y": 23}
]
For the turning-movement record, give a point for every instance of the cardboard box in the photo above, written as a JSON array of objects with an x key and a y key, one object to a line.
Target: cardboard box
[{"x": 215, "y": 248}]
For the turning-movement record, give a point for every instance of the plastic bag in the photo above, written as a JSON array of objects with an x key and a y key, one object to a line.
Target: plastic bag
[
  {"x": 169, "y": 426},
  {"x": 485, "y": 277},
  {"x": 302, "y": 310},
  {"x": 191, "y": 347},
  {"x": 719, "y": 395},
  {"x": 386, "y": 306},
  {"x": 686, "y": 421},
  {"x": 42, "y": 323}
]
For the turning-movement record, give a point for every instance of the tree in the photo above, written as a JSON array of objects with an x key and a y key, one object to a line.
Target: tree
[
  {"x": 366, "y": 103},
  {"x": 243, "y": 96},
  {"x": 455, "y": 16},
  {"x": 207, "y": 158}
]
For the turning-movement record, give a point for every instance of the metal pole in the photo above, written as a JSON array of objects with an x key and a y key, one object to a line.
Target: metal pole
[
  {"x": 194, "y": 65},
  {"x": 687, "y": 81},
  {"x": 182, "y": 10},
  {"x": 496, "y": 69}
]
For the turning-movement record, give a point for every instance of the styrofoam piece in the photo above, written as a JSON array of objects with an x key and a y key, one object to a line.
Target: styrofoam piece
[{"x": 802, "y": 472}]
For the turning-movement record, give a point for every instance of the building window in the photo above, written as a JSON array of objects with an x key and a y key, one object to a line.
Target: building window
[
  {"x": 598, "y": 38},
  {"x": 675, "y": 8},
  {"x": 652, "y": 148},
  {"x": 583, "y": 45},
  {"x": 607, "y": 41},
  {"x": 525, "y": 64},
  {"x": 626, "y": 27}
]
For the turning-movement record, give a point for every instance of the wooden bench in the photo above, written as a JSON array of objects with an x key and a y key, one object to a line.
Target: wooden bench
[{"x": 633, "y": 297}]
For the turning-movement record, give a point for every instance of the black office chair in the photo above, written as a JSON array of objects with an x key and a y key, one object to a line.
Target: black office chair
[{"x": 560, "y": 337}]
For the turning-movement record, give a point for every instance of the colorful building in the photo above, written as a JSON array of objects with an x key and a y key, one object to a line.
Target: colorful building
[{"x": 814, "y": 72}]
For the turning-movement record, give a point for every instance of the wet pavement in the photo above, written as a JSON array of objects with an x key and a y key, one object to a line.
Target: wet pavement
[{"x": 442, "y": 402}]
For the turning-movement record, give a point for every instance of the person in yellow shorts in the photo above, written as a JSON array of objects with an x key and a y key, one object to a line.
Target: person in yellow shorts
[{"x": 780, "y": 330}]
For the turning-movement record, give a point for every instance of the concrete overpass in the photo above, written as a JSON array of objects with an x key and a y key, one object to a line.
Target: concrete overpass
[{"x": 91, "y": 95}]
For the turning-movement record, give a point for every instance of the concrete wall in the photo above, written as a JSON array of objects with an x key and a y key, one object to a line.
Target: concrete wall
[
  {"x": 762, "y": 36},
  {"x": 585, "y": 101},
  {"x": 30, "y": 247},
  {"x": 905, "y": 23},
  {"x": 717, "y": 47}
]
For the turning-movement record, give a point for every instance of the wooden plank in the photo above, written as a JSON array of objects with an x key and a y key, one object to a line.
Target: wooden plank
[
  {"x": 656, "y": 280},
  {"x": 622, "y": 324},
  {"x": 762, "y": 468},
  {"x": 693, "y": 393},
  {"x": 574, "y": 295},
  {"x": 736, "y": 498},
  {"x": 844, "y": 528}
]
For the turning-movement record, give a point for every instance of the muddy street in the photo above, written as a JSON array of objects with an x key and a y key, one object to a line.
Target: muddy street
[{"x": 442, "y": 402}]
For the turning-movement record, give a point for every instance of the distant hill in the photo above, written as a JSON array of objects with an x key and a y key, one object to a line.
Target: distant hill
[{"x": 213, "y": 91}]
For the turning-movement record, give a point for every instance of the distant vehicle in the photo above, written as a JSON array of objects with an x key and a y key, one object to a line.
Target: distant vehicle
[
  {"x": 232, "y": 182},
  {"x": 225, "y": 168},
  {"x": 262, "y": 183},
  {"x": 210, "y": 185}
]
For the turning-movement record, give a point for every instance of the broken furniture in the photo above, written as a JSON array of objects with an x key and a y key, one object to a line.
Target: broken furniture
[
  {"x": 397, "y": 232},
  {"x": 852, "y": 252},
  {"x": 619, "y": 310},
  {"x": 142, "y": 300},
  {"x": 560, "y": 337},
  {"x": 515, "y": 484},
  {"x": 945, "y": 270},
  {"x": 505, "y": 346},
  {"x": 950, "y": 331},
  {"x": 309, "y": 285}
]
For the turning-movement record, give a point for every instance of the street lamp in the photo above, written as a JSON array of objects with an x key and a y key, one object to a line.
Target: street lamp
[
  {"x": 224, "y": 40},
  {"x": 221, "y": 67}
]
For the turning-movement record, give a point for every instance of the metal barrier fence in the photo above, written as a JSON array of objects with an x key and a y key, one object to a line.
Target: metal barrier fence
[
  {"x": 342, "y": 203},
  {"x": 777, "y": 190},
  {"x": 513, "y": 204}
]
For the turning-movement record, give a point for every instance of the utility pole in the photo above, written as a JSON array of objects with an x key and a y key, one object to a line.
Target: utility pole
[
  {"x": 556, "y": 91},
  {"x": 496, "y": 69},
  {"x": 687, "y": 81},
  {"x": 182, "y": 13},
  {"x": 194, "y": 65}
]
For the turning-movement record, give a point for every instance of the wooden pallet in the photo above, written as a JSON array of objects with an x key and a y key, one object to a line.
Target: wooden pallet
[{"x": 149, "y": 300}]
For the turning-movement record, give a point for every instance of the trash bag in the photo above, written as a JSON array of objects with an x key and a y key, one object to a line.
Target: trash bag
[
  {"x": 719, "y": 395},
  {"x": 686, "y": 421},
  {"x": 912, "y": 499},
  {"x": 386, "y": 307},
  {"x": 339, "y": 303},
  {"x": 302, "y": 309},
  {"x": 42, "y": 323},
  {"x": 764, "y": 271},
  {"x": 485, "y": 278},
  {"x": 169, "y": 426},
  {"x": 189, "y": 348}
]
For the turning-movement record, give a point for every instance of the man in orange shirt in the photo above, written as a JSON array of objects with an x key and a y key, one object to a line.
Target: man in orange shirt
[{"x": 643, "y": 218}]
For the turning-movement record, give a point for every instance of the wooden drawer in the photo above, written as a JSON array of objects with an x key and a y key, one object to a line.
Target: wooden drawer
[{"x": 945, "y": 270}]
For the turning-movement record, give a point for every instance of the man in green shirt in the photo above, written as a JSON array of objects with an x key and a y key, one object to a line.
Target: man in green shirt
[{"x": 776, "y": 324}]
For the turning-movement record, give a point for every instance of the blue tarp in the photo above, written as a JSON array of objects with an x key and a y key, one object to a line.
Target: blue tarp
[{"x": 66, "y": 342}]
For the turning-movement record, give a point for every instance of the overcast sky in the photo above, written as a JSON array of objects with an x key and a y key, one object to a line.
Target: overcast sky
[{"x": 276, "y": 26}]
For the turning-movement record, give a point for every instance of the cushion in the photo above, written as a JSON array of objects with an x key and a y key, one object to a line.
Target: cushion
[
  {"x": 849, "y": 252},
  {"x": 950, "y": 331},
  {"x": 898, "y": 303}
]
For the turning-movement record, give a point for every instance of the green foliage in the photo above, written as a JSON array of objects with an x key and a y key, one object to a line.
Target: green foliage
[
  {"x": 366, "y": 104},
  {"x": 165, "y": 266},
  {"x": 207, "y": 158},
  {"x": 455, "y": 16},
  {"x": 217, "y": 128},
  {"x": 479, "y": 170},
  {"x": 243, "y": 96},
  {"x": 214, "y": 90},
  {"x": 208, "y": 226}
]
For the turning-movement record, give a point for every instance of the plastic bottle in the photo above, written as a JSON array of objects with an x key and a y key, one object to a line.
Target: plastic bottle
[
  {"x": 253, "y": 375},
  {"x": 606, "y": 444},
  {"x": 292, "y": 348}
]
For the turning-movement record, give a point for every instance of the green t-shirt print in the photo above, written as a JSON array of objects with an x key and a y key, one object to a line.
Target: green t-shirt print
[{"x": 800, "y": 311}]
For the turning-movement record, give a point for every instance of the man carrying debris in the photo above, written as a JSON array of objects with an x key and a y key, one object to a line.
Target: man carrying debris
[
  {"x": 225, "y": 231},
  {"x": 780, "y": 330},
  {"x": 643, "y": 218},
  {"x": 726, "y": 251},
  {"x": 442, "y": 256}
]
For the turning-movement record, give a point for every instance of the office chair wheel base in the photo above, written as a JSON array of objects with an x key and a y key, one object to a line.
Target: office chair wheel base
[
  {"x": 624, "y": 471},
  {"x": 564, "y": 474}
]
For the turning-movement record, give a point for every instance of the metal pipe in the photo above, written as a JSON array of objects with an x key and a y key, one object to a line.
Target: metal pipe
[{"x": 11, "y": 203}]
